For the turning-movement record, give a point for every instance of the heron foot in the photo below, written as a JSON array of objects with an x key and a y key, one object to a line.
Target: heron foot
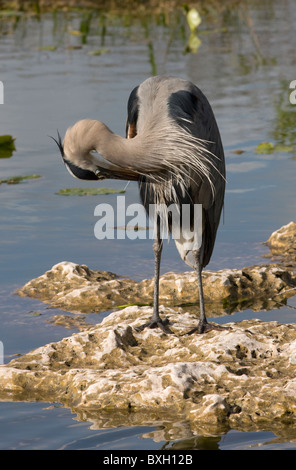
[
  {"x": 204, "y": 327},
  {"x": 162, "y": 324}
]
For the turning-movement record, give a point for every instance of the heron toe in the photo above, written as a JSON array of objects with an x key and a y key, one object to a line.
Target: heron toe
[
  {"x": 162, "y": 324},
  {"x": 204, "y": 327}
]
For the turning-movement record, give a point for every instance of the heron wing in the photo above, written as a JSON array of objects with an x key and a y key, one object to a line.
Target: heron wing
[
  {"x": 191, "y": 110},
  {"x": 207, "y": 127}
]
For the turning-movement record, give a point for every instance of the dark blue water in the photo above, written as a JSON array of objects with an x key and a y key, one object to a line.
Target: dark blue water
[{"x": 244, "y": 65}]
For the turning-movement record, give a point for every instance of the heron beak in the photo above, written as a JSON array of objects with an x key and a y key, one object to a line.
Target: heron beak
[
  {"x": 115, "y": 172},
  {"x": 79, "y": 172},
  {"x": 99, "y": 175}
]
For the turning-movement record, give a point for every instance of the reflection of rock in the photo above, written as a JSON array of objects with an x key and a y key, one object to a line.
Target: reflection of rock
[
  {"x": 77, "y": 288},
  {"x": 282, "y": 243},
  {"x": 67, "y": 321},
  {"x": 114, "y": 375}
]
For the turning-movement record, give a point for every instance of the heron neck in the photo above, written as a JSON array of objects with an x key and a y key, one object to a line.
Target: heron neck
[
  {"x": 138, "y": 154},
  {"x": 118, "y": 150}
]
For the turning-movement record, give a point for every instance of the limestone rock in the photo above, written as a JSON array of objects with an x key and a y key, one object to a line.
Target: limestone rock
[
  {"x": 113, "y": 375},
  {"x": 282, "y": 243},
  {"x": 76, "y": 288},
  {"x": 242, "y": 377}
]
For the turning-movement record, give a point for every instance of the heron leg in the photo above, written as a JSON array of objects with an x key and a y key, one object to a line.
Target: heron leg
[
  {"x": 156, "y": 321},
  {"x": 203, "y": 324}
]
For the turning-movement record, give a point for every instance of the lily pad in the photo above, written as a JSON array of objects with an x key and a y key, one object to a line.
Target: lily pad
[
  {"x": 265, "y": 147},
  {"x": 18, "y": 179},
  {"x": 88, "y": 191},
  {"x": 6, "y": 139},
  {"x": 269, "y": 147},
  {"x": 6, "y": 146}
]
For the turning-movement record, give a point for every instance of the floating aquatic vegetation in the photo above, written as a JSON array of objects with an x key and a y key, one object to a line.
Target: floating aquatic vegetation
[
  {"x": 75, "y": 32},
  {"x": 238, "y": 151},
  {"x": 6, "y": 140},
  {"x": 139, "y": 304},
  {"x": 19, "y": 179},
  {"x": 47, "y": 48},
  {"x": 88, "y": 191},
  {"x": 269, "y": 147},
  {"x": 99, "y": 51},
  {"x": 6, "y": 146}
]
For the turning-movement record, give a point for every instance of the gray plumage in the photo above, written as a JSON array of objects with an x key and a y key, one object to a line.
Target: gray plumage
[{"x": 174, "y": 150}]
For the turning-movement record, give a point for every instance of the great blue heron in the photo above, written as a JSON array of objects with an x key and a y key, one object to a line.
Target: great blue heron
[{"x": 174, "y": 150}]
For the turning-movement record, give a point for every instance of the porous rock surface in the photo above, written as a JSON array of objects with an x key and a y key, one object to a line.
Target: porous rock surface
[
  {"x": 282, "y": 243},
  {"x": 78, "y": 289},
  {"x": 243, "y": 375}
]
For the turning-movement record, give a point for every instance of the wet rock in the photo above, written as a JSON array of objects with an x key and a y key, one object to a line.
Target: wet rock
[
  {"x": 242, "y": 377},
  {"x": 112, "y": 374},
  {"x": 76, "y": 288},
  {"x": 282, "y": 243}
]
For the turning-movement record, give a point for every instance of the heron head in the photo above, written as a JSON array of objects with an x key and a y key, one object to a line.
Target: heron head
[{"x": 76, "y": 169}]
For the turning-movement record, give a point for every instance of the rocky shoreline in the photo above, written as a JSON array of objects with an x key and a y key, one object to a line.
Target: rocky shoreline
[
  {"x": 232, "y": 378},
  {"x": 111, "y": 374}
]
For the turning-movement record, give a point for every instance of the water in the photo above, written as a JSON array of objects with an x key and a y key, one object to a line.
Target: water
[{"x": 244, "y": 65}]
